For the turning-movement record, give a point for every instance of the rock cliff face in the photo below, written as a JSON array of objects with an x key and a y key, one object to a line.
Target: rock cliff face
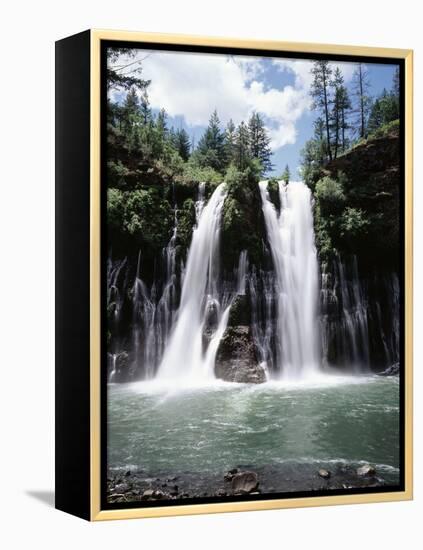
[
  {"x": 361, "y": 273},
  {"x": 373, "y": 184}
]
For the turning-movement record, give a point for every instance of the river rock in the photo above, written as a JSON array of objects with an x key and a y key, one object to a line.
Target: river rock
[
  {"x": 230, "y": 474},
  {"x": 211, "y": 316},
  {"x": 366, "y": 471},
  {"x": 236, "y": 359},
  {"x": 325, "y": 474},
  {"x": 392, "y": 370},
  {"x": 148, "y": 494},
  {"x": 245, "y": 482},
  {"x": 122, "y": 367}
]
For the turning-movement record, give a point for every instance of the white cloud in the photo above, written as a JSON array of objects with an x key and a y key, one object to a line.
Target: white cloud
[
  {"x": 300, "y": 68},
  {"x": 193, "y": 85},
  {"x": 284, "y": 134}
]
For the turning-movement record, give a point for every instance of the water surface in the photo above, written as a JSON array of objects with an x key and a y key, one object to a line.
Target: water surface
[{"x": 214, "y": 428}]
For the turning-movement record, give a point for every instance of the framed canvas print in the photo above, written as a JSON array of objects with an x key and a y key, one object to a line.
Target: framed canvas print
[{"x": 234, "y": 279}]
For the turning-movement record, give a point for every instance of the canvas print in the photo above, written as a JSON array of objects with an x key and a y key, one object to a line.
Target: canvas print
[{"x": 253, "y": 287}]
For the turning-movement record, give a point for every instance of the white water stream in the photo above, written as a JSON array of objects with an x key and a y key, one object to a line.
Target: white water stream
[{"x": 291, "y": 239}]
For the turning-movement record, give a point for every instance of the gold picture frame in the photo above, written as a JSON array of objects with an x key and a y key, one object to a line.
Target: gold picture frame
[{"x": 96, "y": 513}]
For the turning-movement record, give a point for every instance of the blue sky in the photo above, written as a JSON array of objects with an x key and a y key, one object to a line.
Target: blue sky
[{"x": 191, "y": 85}]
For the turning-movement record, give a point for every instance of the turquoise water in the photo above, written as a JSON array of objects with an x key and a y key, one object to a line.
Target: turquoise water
[{"x": 213, "y": 428}]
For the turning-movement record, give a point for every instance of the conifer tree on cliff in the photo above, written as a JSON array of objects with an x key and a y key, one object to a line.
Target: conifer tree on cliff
[
  {"x": 230, "y": 137},
  {"x": 259, "y": 142},
  {"x": 361, "y": 87},
  {"x": 320, "y": 91},
  {"x": 242, "y": 146},
  {"x": 338, "y": 116},
  {"x": 211, "y": 150}
]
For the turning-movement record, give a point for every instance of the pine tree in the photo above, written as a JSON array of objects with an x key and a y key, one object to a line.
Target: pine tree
[
  {"x": 130, "y": 121},
  {"x": 182, "y": 143},
  {"x": 161, "y": 124},
  {"x": 338, "y": 116},
  {"x": 396, "y": 90},
  {"x": 383, "y": 111},
  {"x": 322, "y": 73},
  {"x": 320, "y": 141},
  {"x": 211, "y": 149},
  {"x": 376, "y": 116},
  {"x": 345, "y": 106},
  {"x": 259, "y": 142},
  {"x": 230, "y": 139},
  {"x": 242, "y": 147},
  {"x": 361, "y": 86},
  {"x": 286, "y": 176},
  {"x": 145, "y": 111}
]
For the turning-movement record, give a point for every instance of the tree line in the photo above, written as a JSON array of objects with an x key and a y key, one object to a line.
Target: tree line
[
  {"x": 345, "y": 116},
  {"x": 138, "y": 137}
]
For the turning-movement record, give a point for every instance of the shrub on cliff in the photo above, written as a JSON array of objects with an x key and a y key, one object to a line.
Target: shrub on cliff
[
  {"x": 353, "y": 223},
  {"x": 242, "y": 224},
  {"x": 193, "y": 172},
  {"x": 330, "y": 194},
  {"x": 142, "y": 214}
]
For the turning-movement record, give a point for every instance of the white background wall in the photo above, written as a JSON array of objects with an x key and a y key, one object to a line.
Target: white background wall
[{"x": 28, "y": 32}]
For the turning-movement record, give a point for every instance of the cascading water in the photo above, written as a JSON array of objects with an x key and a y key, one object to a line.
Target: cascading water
[
  {"x": 184, "y": 358},
  {"x": 291, "y": 240},
  {"x": 171, "y": 328},
  {"x": 261, "y": 288}
]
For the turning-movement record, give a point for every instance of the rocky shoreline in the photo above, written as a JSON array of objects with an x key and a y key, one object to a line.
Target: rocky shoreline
[{"x": 136, "y": 485}]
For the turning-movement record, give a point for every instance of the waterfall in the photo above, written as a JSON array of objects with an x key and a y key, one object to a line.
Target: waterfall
[
  {"x": 262, "y": 298},
  {"x": 143, "y": 317},
  {"x": 242, "y": 272},
  {"x": 199, "y": 203},
  {"x": 344, "y": 321},
  {"x": 291, "y": 240},
  {"x": 200, "y": 299}
]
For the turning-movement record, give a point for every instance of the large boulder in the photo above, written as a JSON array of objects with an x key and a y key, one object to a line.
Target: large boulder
[
  {"x": 236, "y": 359},
  {"x": 240, "y": 313},
  {"x": 366, "y": 471},
  {"x": 244, "y": 483}
]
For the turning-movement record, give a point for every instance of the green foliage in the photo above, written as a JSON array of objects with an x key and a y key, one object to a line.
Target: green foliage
[
  {"x": 259, "y": 142},
  {"x": 385, "y": 109},
  {"x": 193, "y": 172},
  {"x": 186, "y": 221},
  {"x": 353, "y": 223},
  {"x": 236, "y": 178},
  {"x": 330, "y": 193},
  {"x": 286, "y": 175},
  {"x": 241, "y": 229},
  {"x": 142, "y": 214},
  {"x": 323, "y": 228},
  {"x": 115, "y": 208},
  {"x": 126, "y": 73},
  {"x": 338, "y": 118},
  {"x": 230, "y": 140},
  {"x": 211, "y": 149},
  {"x": 319, "y": 91},
  {"x": 182, "y": 144},
  {"x": 242, "y": 146},
  {"x": 273, "y": 190}
]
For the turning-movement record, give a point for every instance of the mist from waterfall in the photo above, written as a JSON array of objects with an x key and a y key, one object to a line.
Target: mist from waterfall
[
  {"x": 184, "y": 358},
  {"x": 291, "y": 238}
]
